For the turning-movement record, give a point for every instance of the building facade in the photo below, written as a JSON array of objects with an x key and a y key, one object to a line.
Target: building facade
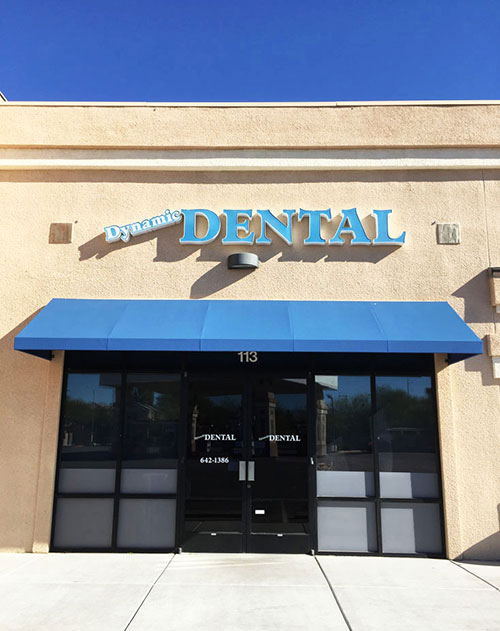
[{"x": 255, "y": 327}]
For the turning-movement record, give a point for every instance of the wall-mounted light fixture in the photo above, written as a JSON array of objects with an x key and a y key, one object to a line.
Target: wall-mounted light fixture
[{"x": 242, "y": 260}]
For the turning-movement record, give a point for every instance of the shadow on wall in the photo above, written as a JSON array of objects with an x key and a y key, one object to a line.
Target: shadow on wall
[
  {"x": 22, "y": 396},
  {"x": 482, "y": 364},
  {"x": 170, "y": 250},
  {"x": 216, "y": 279},
  {"x": 487, "y": 550},
  {"x": 7, "y": 341},
  {"x": 476, "y": 296},
  {"x": 406, "y": 178}
]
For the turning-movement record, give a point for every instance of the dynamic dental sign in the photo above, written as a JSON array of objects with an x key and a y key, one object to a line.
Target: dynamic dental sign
[{"x": 238, "y": 232}]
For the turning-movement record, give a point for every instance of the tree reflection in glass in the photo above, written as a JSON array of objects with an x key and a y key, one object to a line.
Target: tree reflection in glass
[
  {"x": 344, "y": 445},
  {"x": 405, "y": 427},
  {"x": 151, "y": 431},
  {"x": 90, "y": 432}
]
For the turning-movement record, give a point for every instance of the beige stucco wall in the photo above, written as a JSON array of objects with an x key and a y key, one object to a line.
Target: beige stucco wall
[
  {"x": 257, "y": 126},
  {"x": 157, "y": 266}
]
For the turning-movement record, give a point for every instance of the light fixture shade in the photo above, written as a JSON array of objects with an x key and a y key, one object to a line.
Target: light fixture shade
[{"x": 242, "y": 260}]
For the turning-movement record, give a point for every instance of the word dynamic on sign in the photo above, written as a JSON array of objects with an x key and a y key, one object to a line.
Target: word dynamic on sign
[{"x": 167, "y": 218}]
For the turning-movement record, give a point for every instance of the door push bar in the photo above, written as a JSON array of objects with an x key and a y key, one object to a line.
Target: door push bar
[{"x": 243, "y": 475}]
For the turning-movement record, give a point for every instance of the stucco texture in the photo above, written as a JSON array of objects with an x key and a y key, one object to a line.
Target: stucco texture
[
  {"x": 156, "y": 266},
  {"x": 227, "y": 127}
]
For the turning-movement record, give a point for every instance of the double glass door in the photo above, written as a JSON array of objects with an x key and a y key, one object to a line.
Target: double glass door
[{"x": 247, "y": 465}]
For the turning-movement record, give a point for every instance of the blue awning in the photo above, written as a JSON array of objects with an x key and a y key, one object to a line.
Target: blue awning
[{"x": 253, "y": 325}]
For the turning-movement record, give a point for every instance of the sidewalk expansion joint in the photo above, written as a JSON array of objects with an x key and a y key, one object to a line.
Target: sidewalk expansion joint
[
  {"x": 334, "y": 594},
  {"x": 148, "y": 592},
  {"x": 479, "y": 577}
]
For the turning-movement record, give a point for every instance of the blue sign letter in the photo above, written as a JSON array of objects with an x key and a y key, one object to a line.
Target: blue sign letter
[
  {"x": 382, "y": 234},
  {"x": 190, "y": 217},
  {"x": 351, "y": 224},
  {"x": 282, "y": 230},
  {"x": 112, "y": 233},
  {"x": 233, "y": 227},
  {"x": 314, "y": 237}
]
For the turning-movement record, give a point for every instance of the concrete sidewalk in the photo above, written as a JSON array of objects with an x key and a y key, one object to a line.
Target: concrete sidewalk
[{"x": 230, "y": 592}]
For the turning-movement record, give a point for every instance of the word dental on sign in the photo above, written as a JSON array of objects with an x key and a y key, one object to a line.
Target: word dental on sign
[
  {"x": 281, "y": 438},
  {"x": 238, "y": 232},
  {"x": 209, "y": 437},
  {"x": 238, "y": 227}
]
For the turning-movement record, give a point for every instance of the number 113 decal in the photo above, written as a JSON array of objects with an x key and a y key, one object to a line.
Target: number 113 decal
[{"x": 248, "y": 357}]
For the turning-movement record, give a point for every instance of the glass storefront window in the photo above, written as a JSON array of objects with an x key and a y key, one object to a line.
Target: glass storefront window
[
  {"x": 248, "y": 465},
  {"x": 90, "y": 427},
  {"x": 379, "y": 443},
  {"x": 150, "y": 447},
  {"x": 405, "y": 429},
  {"x": 344, "y": 450},
  {"x": 118, "y": 455}
]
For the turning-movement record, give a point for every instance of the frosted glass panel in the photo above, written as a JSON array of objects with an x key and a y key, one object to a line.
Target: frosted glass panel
[
  {"x": 83, "y": 480},
  {"x": 146, "y": 523},
  {"x": 411, "y": 528},
  {"x": 406, "y": 484},
  {"x": 149, "y": 481},
  {"x": 344, "y": 483},
  {"x": 83, "y": 523},
  {"x": 346, "y": 526}
]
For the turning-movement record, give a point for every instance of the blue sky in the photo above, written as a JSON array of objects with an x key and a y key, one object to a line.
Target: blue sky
[{"x": 263, "y": 50}]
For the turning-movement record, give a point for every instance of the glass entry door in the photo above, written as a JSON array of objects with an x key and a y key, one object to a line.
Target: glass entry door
[
  {"x": 247, "y": 466},
  {"x": 278, "y": 445},
  {"x": 213, "y": 515}
]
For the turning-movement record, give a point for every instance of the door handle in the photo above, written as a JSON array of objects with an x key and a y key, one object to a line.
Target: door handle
[
  {"x": 251, "y": 471},
  {"x": 243, "y": 471}
]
